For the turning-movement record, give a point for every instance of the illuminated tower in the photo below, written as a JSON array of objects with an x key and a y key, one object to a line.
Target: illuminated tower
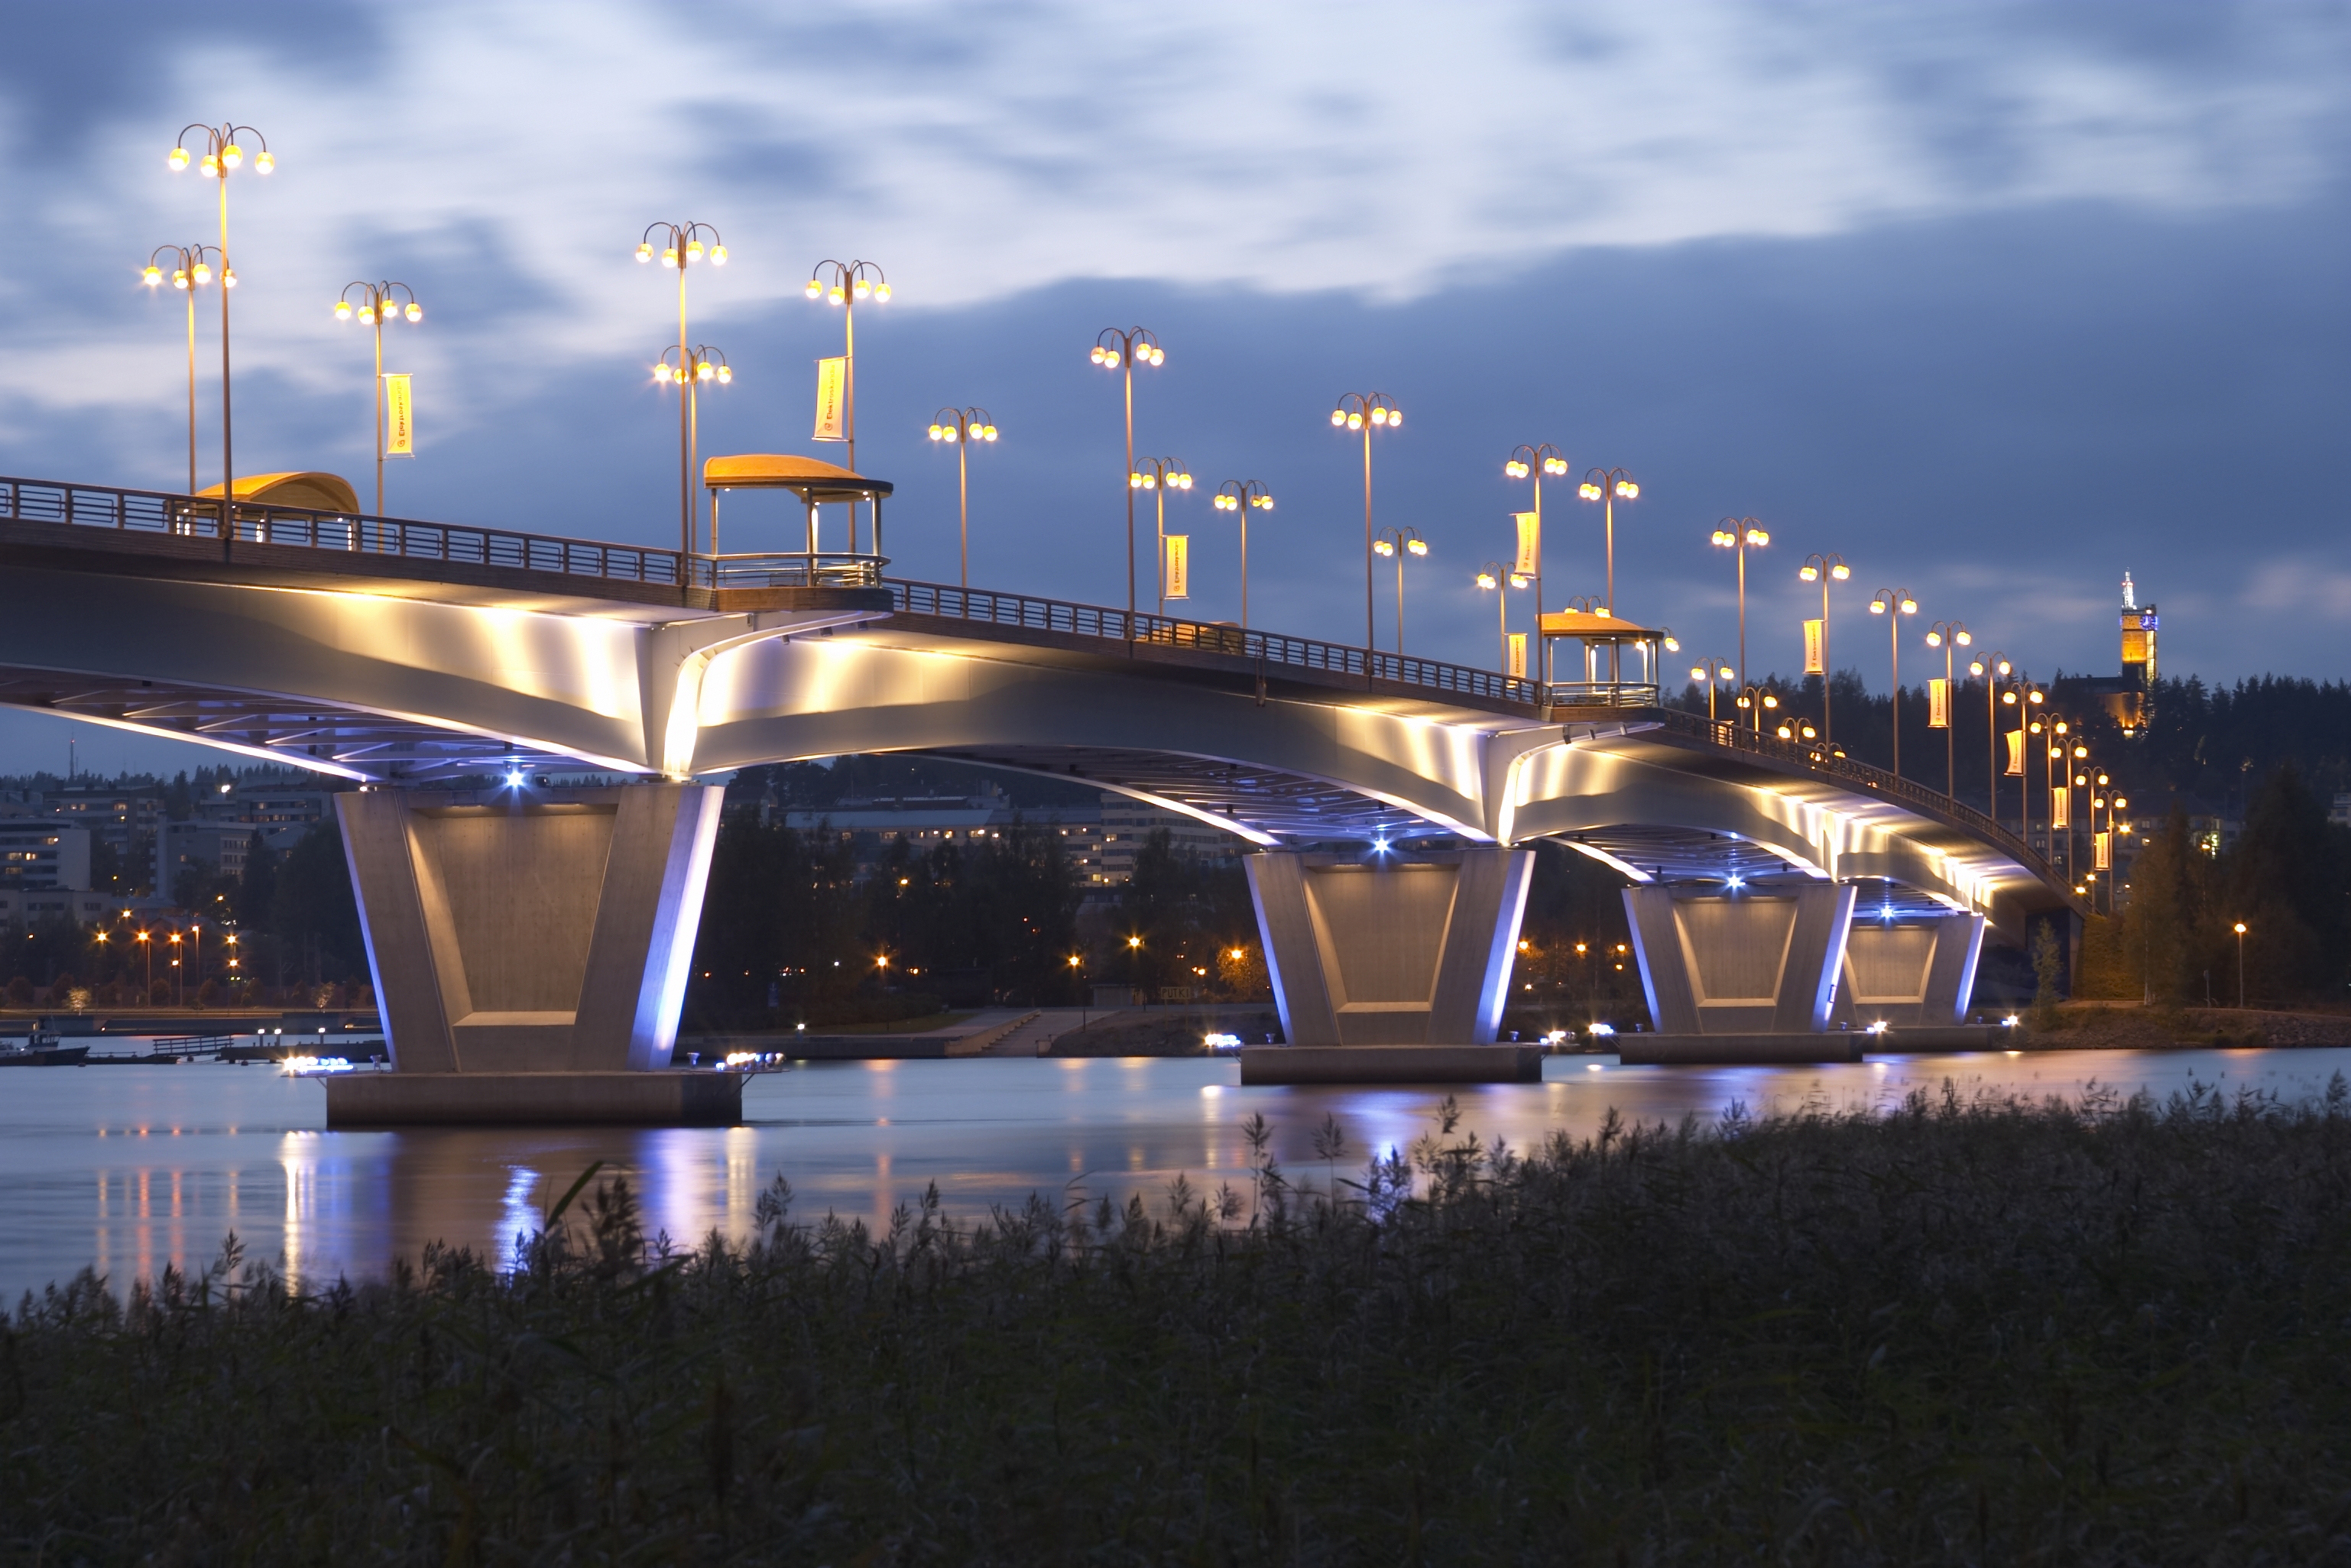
[{"x": 2138, "y": 628}]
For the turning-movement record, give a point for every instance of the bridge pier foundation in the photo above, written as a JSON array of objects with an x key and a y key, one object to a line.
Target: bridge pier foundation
[
  {"x": 1389, "y": 949},
  {"x": 1921, "y": 973},
  {"x": 527, "y": 933},
  {"x": 1758, "y": 963}
]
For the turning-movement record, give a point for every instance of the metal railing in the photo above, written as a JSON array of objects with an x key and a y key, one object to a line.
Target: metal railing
[
  {"x": 1268, "y": 650},
  {"x": 789, "y": 569},
  {"x": 340, "y": 533}
]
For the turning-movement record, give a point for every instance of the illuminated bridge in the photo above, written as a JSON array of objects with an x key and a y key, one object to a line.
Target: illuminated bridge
[{"x": 537, "y": 930}]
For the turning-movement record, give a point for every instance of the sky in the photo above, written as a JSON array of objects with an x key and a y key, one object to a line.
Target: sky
[{"x": 1997, "y": 301}]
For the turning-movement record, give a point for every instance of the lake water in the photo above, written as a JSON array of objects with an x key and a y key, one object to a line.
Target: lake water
[{"x": 128, "y": 1169}]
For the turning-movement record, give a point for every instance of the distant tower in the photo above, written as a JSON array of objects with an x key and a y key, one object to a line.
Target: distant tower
[{"x": 2138, "y": 628}]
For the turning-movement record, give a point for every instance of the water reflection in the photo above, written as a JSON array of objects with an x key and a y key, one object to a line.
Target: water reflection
[{"x": 130, "y": 1169}]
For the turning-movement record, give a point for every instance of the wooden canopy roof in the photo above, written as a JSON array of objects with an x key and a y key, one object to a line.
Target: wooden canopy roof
[
  {"x": 1596, "y": 626},
  {"x": 811, "y": 478},
  {"x": 312, "y": 492}
]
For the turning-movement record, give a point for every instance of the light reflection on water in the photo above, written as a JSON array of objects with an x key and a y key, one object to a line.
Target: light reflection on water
[{"x": 128, "y": 1169}]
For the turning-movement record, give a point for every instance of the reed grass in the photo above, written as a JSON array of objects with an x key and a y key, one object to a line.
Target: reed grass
[{"x": 1967, "y": 1331}]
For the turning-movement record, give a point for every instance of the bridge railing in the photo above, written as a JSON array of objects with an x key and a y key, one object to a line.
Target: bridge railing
[
  {"x": 1817, "y": 756},
  {"x": 342, "y": 533},
  {"x": 1271, "y": 650},
  {"x": 795, "y": 568}
]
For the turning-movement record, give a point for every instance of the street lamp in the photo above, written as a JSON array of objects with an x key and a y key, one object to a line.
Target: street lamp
[
  {"x": 1535, "y": 462},
  {"x": 1947, "y": 635},
  {"x": 693, "y": 369},
  {"x": 218, "y": 155},
  {"x": 1608, "y": 487},
  {"x": 960, "y": 427},
  {"x": 1711, "y": 671},
  {"x": 682, "y": 247},
  {"x": 1159, "y": 476},
  {"x": 1899, "y": 601},
  {"x": 2033, "y": 697},
  {"x": 190, "y": 271},
  {"x": 1366, "y": 412},
  {"x": 1122, "y": 351},
  {"x": 1825, "y": 569},
  {"x": 1400, "y": 543},
  {"x": 2240, "y": 966},
  {"x": 1240, "y": 496},
  {"x": 844, "y": 283},
  {"x": 378, "y": 303},
  {"x": 1736, "y": 534},
  {"x": 1994, "y": 670},
  {"x": 1500, "y": 584},
  {"x": 1752, "y": 701}
]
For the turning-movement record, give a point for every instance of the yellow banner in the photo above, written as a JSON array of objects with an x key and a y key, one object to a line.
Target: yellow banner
[
  {"x": 831, "y": 400},
  {"x": 1529, "y": 543},
  {"x": 1179, "y": 566},
  {"x": 2061, "y": 809},
  {"x": 2015, "y": 769},
  {"x": 2104, "y": 851},
  {"x": 399, "y": 416},
  {"x": 1518, "y": 656},
  {"x": 1815, "y": 647},
  {"x": 1939, "y": 703}
]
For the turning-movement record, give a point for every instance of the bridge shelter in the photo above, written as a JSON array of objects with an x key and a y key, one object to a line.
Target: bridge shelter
[
  {"x": 1602, "y": 633},
  {"x": 817, "y": 484}
]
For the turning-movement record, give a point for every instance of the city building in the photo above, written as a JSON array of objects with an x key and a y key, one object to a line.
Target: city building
[
  {"x": 2341, "y": 810},
  {"x": 184, "y": 847},
  {"x": 115, "y": 816},
  {"x": 35, "y": 906},
  {"x": 37, "y": 852},
  {"x": 926, "y": 822},
  {"x": 1127, "y": 823},
  {"x": 2128, "y": 698}
]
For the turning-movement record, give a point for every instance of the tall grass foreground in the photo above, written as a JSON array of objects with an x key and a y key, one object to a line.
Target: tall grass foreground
[{"x": 1969, "y": 1331}]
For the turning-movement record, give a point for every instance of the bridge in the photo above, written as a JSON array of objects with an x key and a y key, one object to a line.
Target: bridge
[{"x": 524, "y": 931}]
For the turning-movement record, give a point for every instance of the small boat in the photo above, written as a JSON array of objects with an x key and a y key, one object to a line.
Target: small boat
[{"x": 42, "y": 1048}]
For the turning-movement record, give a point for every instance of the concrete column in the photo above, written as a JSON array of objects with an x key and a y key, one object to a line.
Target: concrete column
[
  {"x": 530, "y": 930},
  {"x": 1387, "y": 948},
  {"x": 1923, "y": 972},
  {"x": 1759, "y": 963}
]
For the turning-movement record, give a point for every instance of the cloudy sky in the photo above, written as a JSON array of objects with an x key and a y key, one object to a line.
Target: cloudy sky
[{"x": 1996, "y": 300}]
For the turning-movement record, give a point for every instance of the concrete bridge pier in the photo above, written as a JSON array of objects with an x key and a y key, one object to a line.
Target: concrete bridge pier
[
  {"x": 1920, "y": 973},
  {"x": 529, "y": 949},
  {"x": 1760, "y": 963},
  {"x": 1389, "y": 950}
]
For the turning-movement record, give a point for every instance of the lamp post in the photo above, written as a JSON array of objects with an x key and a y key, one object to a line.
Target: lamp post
[
  {"x": 960, "y": 427},
  {"x": 1366, "y": 412},
  {"x": 2025, "y": 724},
  {"x": 844, "y": 283},
  {"x": 2074, "y": 781},
  {"x": 1899, "y": 601},
  {"x": 1710, "y": 671},
  {"x": 1825, "y": 569},
  {"x": 682, "y": 249},
  {"x": 1947, "y": 635},
  {"x": 1752, "y": 701},
  {"x": 1241, "y": 497},
  {"x": 1159, "y": 476},
  {"x": 1995, "y": 673},
  {"x": 1535, "y": 462},
  {"x": 1492, "y": 578},
  {"x": 2107, "y": 802},
  {"x": 2240, "y": 966},
  {"x": 190, "y": 271},
  {"x": 1608, "y": 487},
  {"x": 218, "y": 155},
  {"x": 1400, "y": 543},
  {"x": 1120, "y": 351},
  {"x": 1735, "y": 534},
  {"x": 378, "y": 303},
  {"x": 688, "y": 373}
]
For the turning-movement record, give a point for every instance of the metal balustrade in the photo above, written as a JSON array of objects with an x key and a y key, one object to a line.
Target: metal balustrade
[{"x": 357, "y": 534}]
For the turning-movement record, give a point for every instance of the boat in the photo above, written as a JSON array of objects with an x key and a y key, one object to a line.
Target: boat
[{"x": 42, "y": 1048}]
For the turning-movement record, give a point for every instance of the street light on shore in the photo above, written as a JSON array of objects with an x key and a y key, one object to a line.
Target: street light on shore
[
  {"x": 1825, "y": 569},
  {"x": 1736, "y": 534},
  {"x": 379, "y": 303},
  {"x": 1949, "y": 635},
  {"x": 1121, "y": 350},
  {"x": 682, "y": 250},
  {"x": 959, "y": 427},
  {"x": 2240, "y": 966},
  {"x": 1366, "y": 412},
  {"x": 1400, "y": 543},
  {"x": 1534, "y": 462},
  {"x": 1898, "y": 603},
  {"x": 1241, "y": 497},
  {"x": 218, "y": 155},
  {"x": 190, "y": 271}
]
